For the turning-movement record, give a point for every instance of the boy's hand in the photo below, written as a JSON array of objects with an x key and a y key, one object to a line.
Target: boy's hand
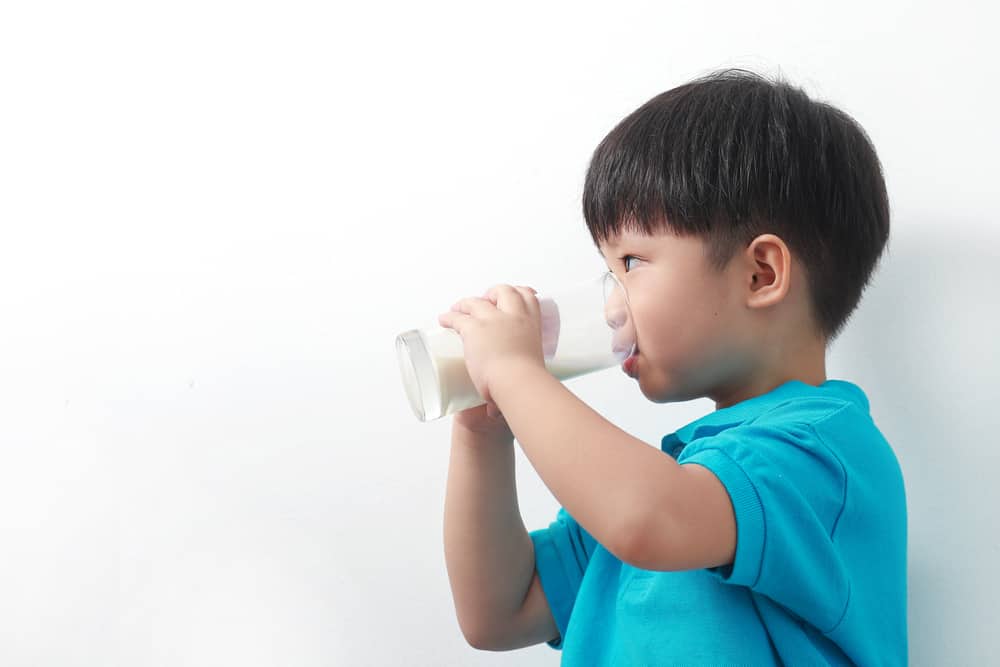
[
  {"x": 500, "y": 328},
  {"x": 486, "y": 422}
]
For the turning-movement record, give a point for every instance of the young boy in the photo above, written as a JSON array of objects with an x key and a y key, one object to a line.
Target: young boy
[{"x": 743, "y": 220}]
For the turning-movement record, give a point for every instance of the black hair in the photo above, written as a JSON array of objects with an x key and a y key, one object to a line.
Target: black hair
[{"x": 732, "y": 155}]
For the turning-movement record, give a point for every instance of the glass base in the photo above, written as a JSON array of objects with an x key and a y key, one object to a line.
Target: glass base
[{"x": 419, "y": 376}]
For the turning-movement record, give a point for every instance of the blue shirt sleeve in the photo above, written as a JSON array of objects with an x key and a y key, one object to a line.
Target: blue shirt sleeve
[
  {"x": 562, "y": 552},
  {"x": 788, "y": 493}
]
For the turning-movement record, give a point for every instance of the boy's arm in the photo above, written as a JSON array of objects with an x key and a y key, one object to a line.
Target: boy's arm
[
  {"x": 636, "y": 501},
  {"x": 488, "y": 552}
]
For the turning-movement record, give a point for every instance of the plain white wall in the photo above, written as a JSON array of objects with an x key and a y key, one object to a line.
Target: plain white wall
[{"x": 216, "y": 216}]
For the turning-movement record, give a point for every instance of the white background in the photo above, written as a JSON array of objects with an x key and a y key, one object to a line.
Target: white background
[{"x": 216, "y": 216}]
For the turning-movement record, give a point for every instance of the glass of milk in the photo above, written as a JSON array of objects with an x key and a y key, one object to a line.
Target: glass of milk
[{"x": 586, "y": 327}]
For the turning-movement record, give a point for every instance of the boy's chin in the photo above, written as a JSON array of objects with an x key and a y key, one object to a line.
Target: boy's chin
[
  {"x": 667, "y": 388},
  {"x": 662, "y": 390}
]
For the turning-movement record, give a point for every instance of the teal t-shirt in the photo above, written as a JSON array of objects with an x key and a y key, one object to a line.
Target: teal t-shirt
[{"x": 819, "y": 575}]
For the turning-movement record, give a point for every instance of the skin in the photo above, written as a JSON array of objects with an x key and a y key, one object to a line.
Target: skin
[{"x": 728, "y": 336}]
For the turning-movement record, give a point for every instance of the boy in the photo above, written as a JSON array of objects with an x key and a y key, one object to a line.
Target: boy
[{"x": 744, "y": 220}]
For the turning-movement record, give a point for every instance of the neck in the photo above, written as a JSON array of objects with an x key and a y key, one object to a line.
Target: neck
[{"x": 805, "y": 362}]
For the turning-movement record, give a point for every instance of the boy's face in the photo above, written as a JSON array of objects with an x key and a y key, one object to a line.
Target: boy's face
[{"x": 692, "y": 333}]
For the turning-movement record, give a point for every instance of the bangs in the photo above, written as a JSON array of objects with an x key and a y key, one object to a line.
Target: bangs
[{"x": 686, "y": 162}]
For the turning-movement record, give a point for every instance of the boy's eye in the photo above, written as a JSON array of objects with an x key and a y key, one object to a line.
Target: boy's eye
[{"x": 625, "y": 259}]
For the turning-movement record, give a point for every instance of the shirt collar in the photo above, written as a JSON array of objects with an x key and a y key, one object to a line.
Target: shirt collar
[{"x": 734, "y": 415}]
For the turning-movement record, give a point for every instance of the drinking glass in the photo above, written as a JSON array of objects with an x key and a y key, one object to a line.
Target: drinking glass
[{"x": 586, "y": 327}]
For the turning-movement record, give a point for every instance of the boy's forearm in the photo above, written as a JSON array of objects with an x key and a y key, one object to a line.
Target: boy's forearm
[
  {"x": 488, "y": 551},
  {"x": 604, "y": 477}
]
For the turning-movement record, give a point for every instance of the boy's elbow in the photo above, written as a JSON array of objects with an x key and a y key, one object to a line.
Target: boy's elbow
[
  {"x": 471, "y": 633},
  {"x": 474, "y": 641},
  {"x": 477, "y": 635},
  {"x": 523, "y": 630},
  {"x": 480, "y": 642}
]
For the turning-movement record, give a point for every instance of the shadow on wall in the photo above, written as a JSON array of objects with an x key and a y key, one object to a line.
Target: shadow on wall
[
  {"x": 924, "y": 346},
  {"x": 927, "y": 327}
]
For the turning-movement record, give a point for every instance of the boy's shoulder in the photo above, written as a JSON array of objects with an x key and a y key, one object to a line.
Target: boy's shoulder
[
  {"x": 835, "y": 410},
  {"x": 794, "y": 411},
  {"x": 793, "y": 402},
  {"x": 796, "y": 427},
  {"x": 816, "y": 407},
  {"x": 835, "y": 417}
]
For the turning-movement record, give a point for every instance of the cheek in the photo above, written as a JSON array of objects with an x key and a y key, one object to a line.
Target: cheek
[
  {"x": 662, "y": 323},
  {"x": 681, "y": 324}
]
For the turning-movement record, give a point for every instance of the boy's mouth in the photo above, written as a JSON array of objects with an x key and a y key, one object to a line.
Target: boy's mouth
[{"x": 630, "y": 365}]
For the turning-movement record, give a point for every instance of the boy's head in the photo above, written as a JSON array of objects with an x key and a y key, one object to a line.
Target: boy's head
[{"x": 765, "y": 214}]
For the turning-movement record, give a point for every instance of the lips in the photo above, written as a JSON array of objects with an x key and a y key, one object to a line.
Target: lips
[{"x": 630, "y": 366}]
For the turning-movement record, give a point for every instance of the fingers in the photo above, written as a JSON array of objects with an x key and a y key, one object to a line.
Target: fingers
[
  {"x": 464, "y": 309},
  {"x": 505, "y": 297},
  {"x": 451, "y": 320},
  {"x": 513, "y": 299},
  {"x": 476, "y": 306},
  {"x": 491, "y": 293}
]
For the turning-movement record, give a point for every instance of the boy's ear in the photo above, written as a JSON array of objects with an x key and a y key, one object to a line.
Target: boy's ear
[{"x": 769, "y": 274}]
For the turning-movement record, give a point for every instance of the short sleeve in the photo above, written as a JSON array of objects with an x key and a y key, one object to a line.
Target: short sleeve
[
  {"x": 562, "y": 552},
  {"x": 788, "y": 492}
]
